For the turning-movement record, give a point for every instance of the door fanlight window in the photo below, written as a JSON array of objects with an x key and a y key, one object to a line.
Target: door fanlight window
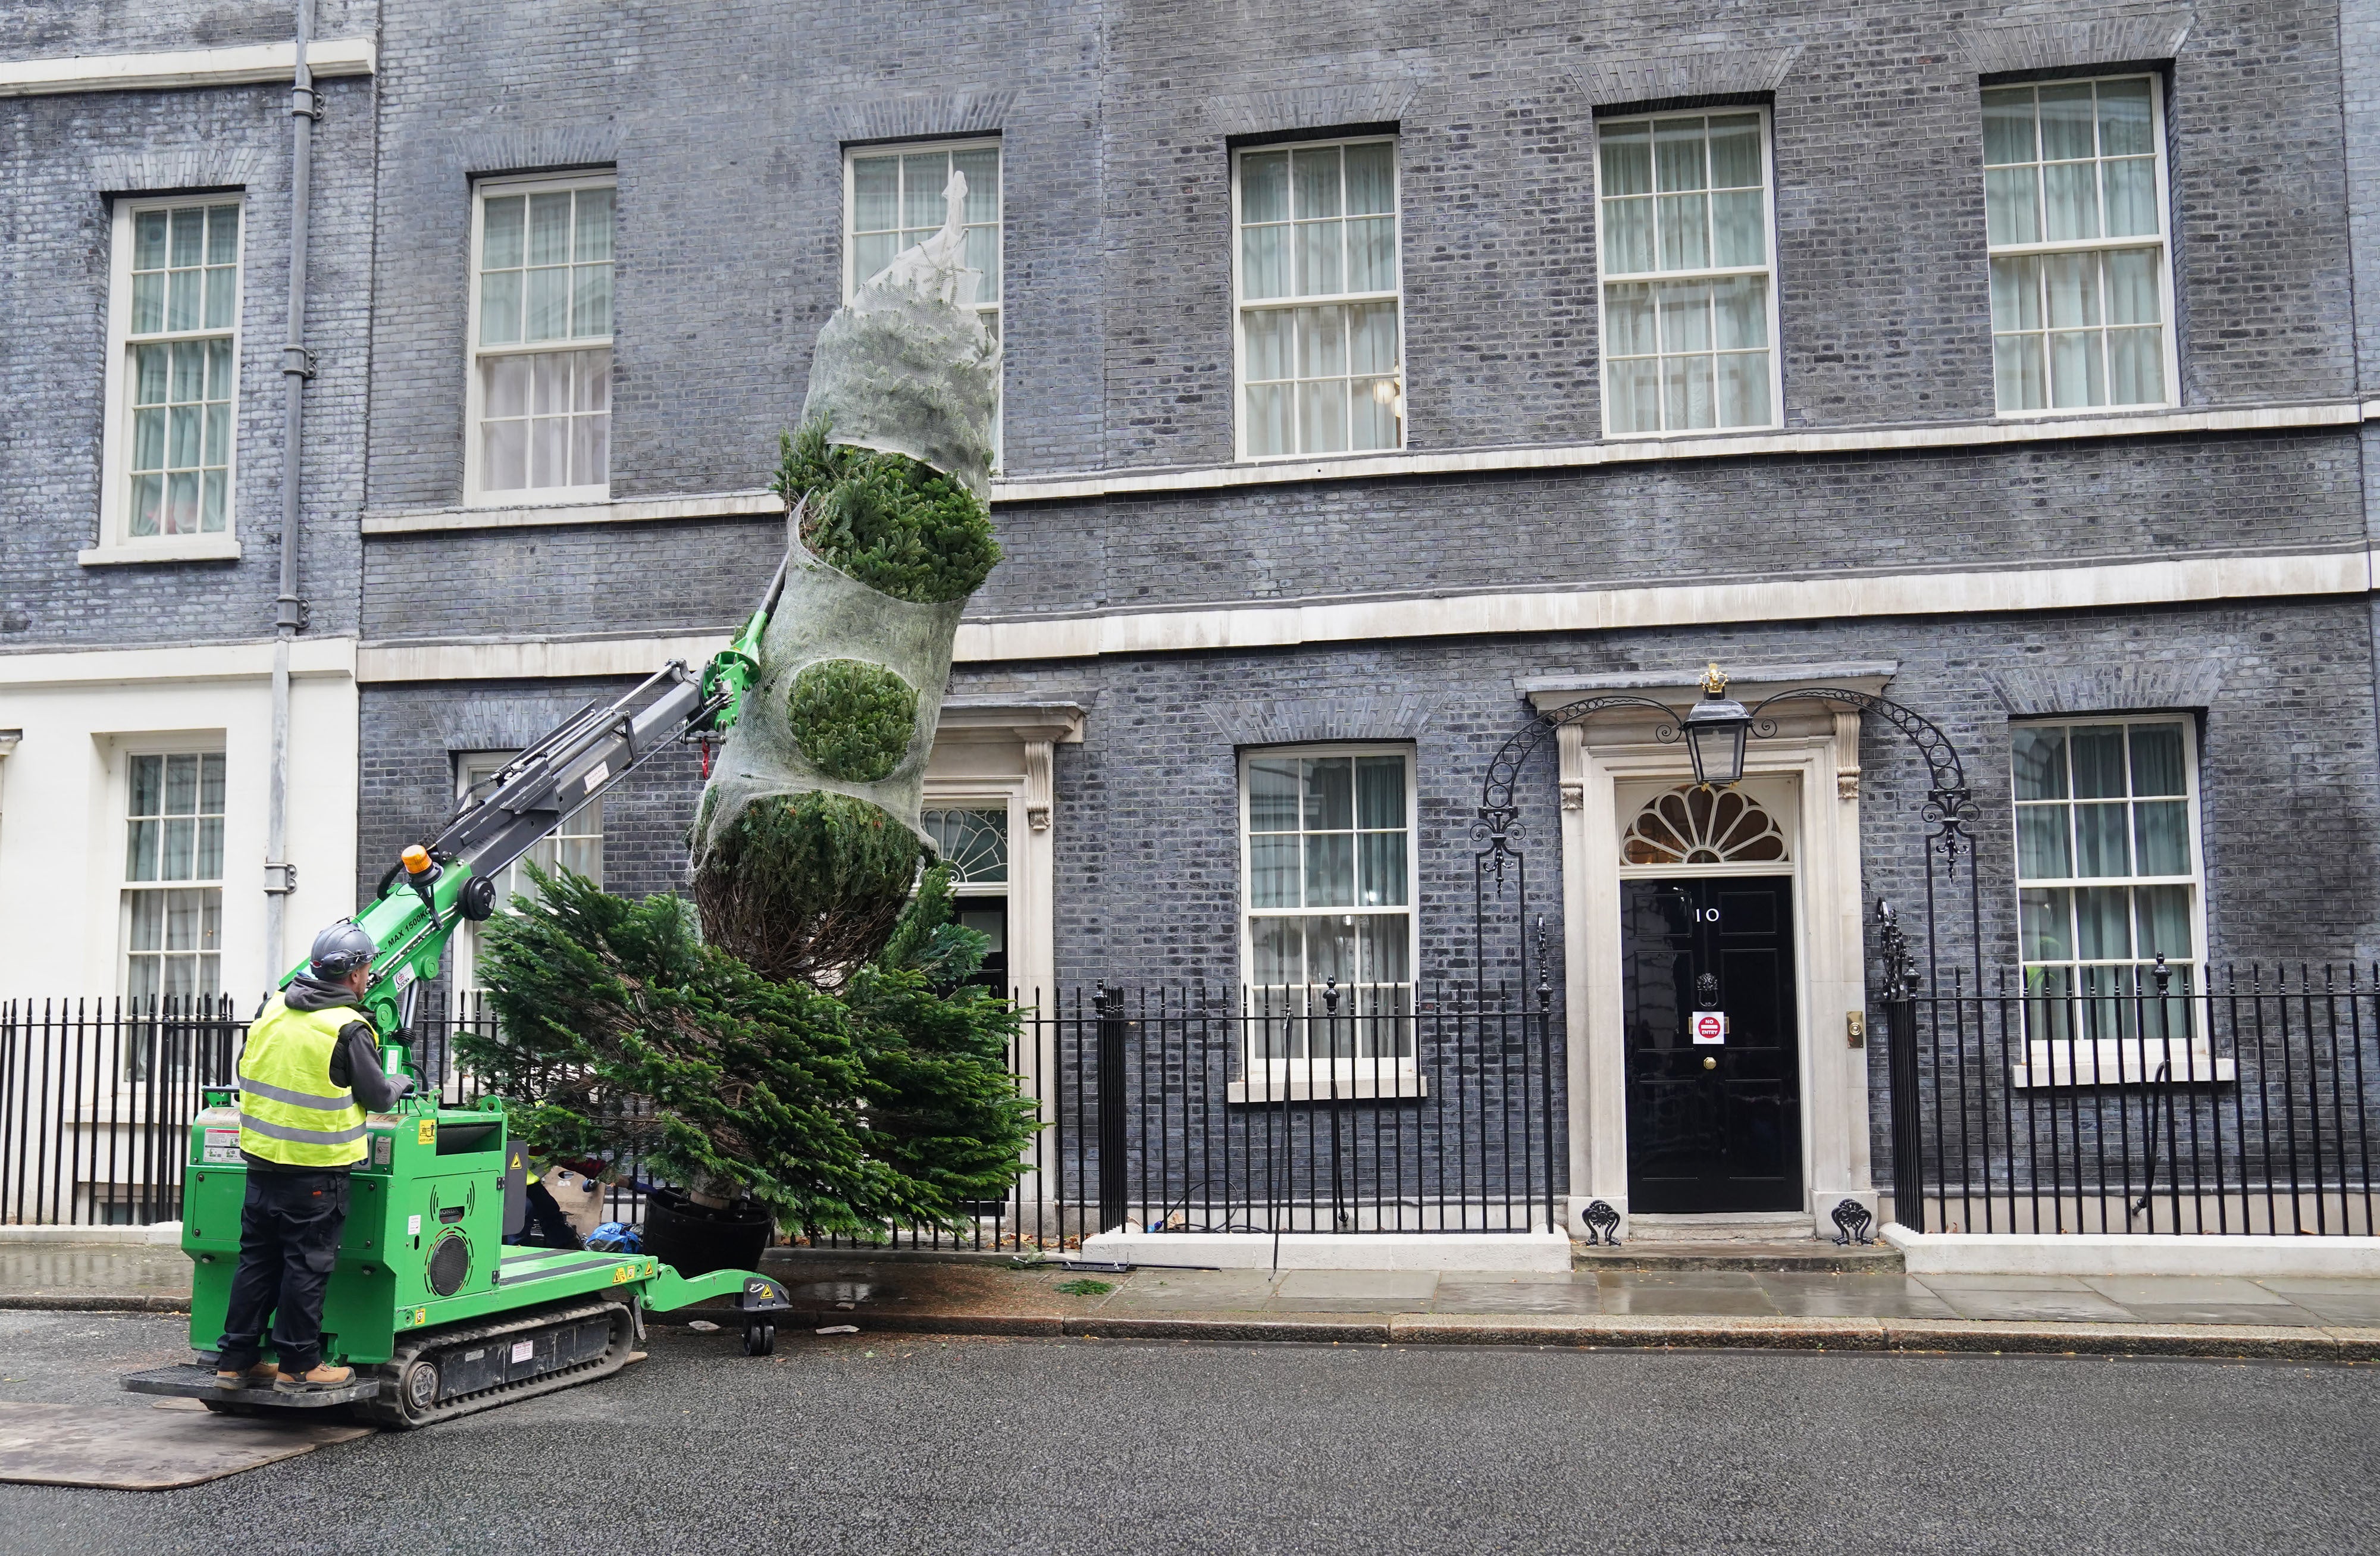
[{"x": 1693, "y": 825}]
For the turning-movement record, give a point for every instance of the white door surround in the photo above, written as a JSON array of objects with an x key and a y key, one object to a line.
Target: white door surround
[{"x": 1808, "y": 773}]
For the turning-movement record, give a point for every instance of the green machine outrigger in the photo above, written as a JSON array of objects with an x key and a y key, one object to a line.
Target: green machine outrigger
[{"x": 437, "y": 1313}]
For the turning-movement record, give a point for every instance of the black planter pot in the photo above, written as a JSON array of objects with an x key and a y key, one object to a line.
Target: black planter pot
[{"x": 695, "y": 1239}]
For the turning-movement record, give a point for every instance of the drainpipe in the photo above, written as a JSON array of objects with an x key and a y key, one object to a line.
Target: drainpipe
[{"x": 289, "y": 617}]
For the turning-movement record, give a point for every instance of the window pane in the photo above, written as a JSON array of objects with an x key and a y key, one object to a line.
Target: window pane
[
  {"x": 1269, "y": 419},
  {"x": 2156, "y": 760},
  {"x": 869, "y": 255},
  {"x": 2132, "y": 286},
  {"x": 2132, "y": 197},
  {"x": 176, "y": 847},
  {"x": 2039, "y": 758},
  {"x": 150, "y": 367},
  {"x": 1329, "y": 793},
  {"x": 507, "y": 380},
  {"x": 1383, "y": 858},
  {"x": 218, "y": 435},
  {"x": 1264, "y": 262},
  {"x": 1685, "y": 316},
  {"x": 1372, "y": 338},
  {"x": 1330, "y": 953},
  {"x": 2074, "y": 287},
  {"x": 2135, "y": 367},
  {"x": 189, "y": 233},
  {"x": 1371, "y": 178},
  {"x": 1272, "y": 794},
  {"x": 148, "y": 302},
  {"x": 500, "y": 307},
  {"x": 1740, "y": 306},
  {"x": 2098, "y": 754},
  {"x": 549, "y": 452},
  {"x": 140, "y": 850},
  {"x": 148, "y": 504},
  {"x": 1319, "y": 273},
  {"x": 221, "y": 283},
  {"x": 210, "y": 785},
  {"x": 1330, "y": 869},
  {"x": 875, "y": 195},
  {"x": 1628, "y": 320},
  {"x": 2066, "y": 121},
  {"x": 1738, "y": 233},
  {"x": 1314, "y": 183},
  {"x": 1380, "y": 791},
  {"x": 2164, "y": 912},
  {"x": 1735, "y": 151},
  {"x": 183, "y": 303},
  {"x": 1385, "y": 941},
  {"x": 2070, "y": 200},
  {"x": 592, "y": 381},
  {"x": 148, "y": 440},
  {"x": 2161, "y": 829},
  {"x": 2041, "y": 843},
  {"x": 549, "y": 229},
  {"x": 1264, "y": 186},
  {"x": 549, "y": 299},
  {"x": 2011, "y": 206},
  {"x": 501, "y": 226},
  {"x": 1627, "y": 158},
  {"x": 2042, "y": 925},
  {"x": 182, "y": 503},
  {"x": 1628, "y": 237},
  {"x": 2102, "y": 923},
  {"x": 550, "y": 382},
  {"x": 2077, "y": 376},
  {"x": 1322, "y": 417},
  {"x": 503, "y": 455},
  {"x": 1273, "y": 870},
  {"x": 213, "y": 502},
  {"x": 1685, "y": 231},
  {"x": 591, "y": 453},
  {"x": 219, "y": 370},
  {"x": 1371, "y": 254},
  {"x": 1372, "y": 413},
  {"x": 1686, "y": 392},
  {"x": 594, "y": 241},
  {"x": 1634, "y": 402},
  {"x": 923, "y": 174},
  {"x": 590, "y": 301},
  {"x": 148, "y": 240},
  {"x": 223, "y": 234},
  {"x": 2007, "y": 125},
  {"x": 148, "y": 920},
  {"x": 1678, "y": 155},
  {"x": 2101, "y": 844},
  {"x": 1278, "y": 945},
  {"x": 982, "y": 169},
  {"x": 1743, "y": 389},
  {"x": 2126, "y": 124}
]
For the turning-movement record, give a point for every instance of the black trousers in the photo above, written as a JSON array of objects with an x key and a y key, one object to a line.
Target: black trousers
[{"x": 289, "y": 1242}]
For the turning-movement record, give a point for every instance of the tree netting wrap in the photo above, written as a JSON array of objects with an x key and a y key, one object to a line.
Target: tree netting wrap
[{"x": 808, "y": 837}]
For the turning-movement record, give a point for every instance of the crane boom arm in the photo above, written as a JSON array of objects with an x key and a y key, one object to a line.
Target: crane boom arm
[{"x": 434, "y": 888}]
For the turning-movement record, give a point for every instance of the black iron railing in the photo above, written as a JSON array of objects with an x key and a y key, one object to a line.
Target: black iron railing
[
  {"x": 2138, "y": 1099},
  {"x": 96, "y": 1099},
  {"x": 1321, "y": 1109}
]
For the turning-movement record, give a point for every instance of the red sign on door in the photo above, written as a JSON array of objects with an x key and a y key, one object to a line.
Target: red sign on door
[{"x": 1710, "y": 1026}]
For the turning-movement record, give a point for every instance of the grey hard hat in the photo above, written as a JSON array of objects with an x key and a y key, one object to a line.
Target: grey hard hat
[{"x": 341, "y": 949}]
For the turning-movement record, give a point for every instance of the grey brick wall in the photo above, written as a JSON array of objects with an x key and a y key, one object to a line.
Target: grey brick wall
[{"x": 61, "y": 158}]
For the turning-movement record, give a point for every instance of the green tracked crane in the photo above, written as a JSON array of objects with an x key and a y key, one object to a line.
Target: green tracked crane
[{"x": 436, "y": 1315}]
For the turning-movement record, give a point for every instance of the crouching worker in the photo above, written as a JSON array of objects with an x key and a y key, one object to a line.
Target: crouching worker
[{"x": 310, "y": 1072}]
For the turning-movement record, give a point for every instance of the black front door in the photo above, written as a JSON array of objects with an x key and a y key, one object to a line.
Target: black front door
[{"x": 1714, "y": 1087}]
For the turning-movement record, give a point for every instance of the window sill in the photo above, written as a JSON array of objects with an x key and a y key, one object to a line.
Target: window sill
[
  {"x": 170, "y": 548},
  {"x": 1391, "y": 1087},
  {"x": 2119, "y": 1061}
]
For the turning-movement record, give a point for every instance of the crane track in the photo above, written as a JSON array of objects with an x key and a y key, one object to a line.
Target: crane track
[{"x": 390, "y": 1408}]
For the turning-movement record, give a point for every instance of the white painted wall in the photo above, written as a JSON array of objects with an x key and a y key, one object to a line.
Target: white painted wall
[{"x": 62, "y": 805}]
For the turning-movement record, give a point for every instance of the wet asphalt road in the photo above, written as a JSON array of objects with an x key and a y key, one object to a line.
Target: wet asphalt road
[{"x": 886, "y": 1444}]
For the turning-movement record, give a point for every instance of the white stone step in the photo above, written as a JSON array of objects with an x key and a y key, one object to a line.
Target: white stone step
[{"x": 1782, "y": 1226}]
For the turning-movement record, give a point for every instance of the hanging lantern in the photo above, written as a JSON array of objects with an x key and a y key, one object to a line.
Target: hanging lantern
[{"x": 1715, "y": 732}]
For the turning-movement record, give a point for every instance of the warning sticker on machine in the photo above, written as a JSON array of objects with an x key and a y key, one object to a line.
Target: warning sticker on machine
[
  {"x": 221, "y": 1145},
  {"x": 1710, "y": 1026},
  {"x": 524, "y": 1349}
]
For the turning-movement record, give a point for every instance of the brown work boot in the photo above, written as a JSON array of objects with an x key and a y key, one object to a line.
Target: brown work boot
[
  {"x": 261, "y": 1376},
  {"x": 321, "y": 1377}
]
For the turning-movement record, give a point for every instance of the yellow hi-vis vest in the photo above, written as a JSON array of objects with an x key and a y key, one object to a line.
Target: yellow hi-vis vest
[{"x": 289, "y": 1111}]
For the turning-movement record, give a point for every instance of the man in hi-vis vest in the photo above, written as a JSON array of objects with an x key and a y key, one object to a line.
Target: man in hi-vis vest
[{"x": 310, "y": 1072}]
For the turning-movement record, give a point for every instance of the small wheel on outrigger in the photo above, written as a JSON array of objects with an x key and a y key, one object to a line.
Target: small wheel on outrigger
[{"x": 759, "y": 1340}]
